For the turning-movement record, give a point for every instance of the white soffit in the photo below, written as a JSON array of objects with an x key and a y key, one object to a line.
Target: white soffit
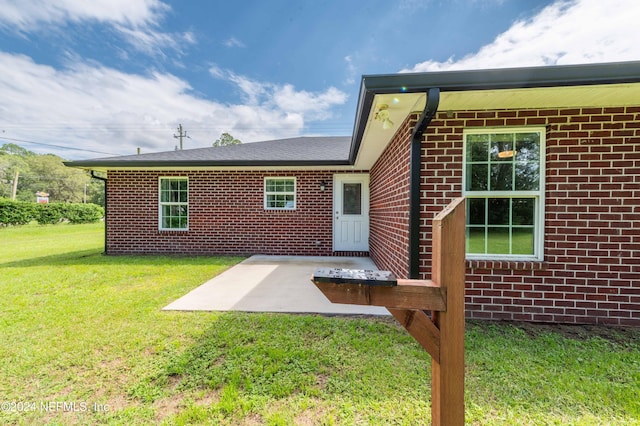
[
  {"x": 375, "y": 139},
  {"x": 605, "y": 95}
]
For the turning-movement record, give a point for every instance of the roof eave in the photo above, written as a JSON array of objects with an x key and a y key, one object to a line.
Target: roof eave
[{"x": 171, "y": 164}]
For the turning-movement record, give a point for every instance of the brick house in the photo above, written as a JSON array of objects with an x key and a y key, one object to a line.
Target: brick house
[{"x": 548, "y": 159}]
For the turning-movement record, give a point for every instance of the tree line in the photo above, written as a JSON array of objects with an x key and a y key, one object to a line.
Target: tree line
[{"x": 23, "y": 173}]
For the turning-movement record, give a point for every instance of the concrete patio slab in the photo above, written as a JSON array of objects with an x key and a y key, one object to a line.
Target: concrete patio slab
[{"x": 274, "y": 284}]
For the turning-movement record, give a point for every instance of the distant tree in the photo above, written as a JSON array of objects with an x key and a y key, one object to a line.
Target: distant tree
[
  {"x": 95, "y": 192},
  {"x": 48, "y": 174},
  {"x": 13, "y": 149},
  {"x": 226, "y": 139},
  {"x": 12, "y": 164}
]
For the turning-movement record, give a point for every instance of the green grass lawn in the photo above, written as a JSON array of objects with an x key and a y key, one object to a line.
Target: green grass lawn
[{"x": 84, "y": 341}]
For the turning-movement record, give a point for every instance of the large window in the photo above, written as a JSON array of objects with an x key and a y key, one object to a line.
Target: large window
[
  {"x": 280, "y": 193},
  {"x": 174, "y": 204},
  {"x": 504, "y": 187}
]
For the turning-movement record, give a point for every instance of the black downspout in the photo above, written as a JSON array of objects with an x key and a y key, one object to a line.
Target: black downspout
[
  {"x": 430, "y": 109},
  {"x": 94, "y": 176}
]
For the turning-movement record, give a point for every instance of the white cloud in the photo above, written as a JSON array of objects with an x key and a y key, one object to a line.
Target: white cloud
[
  {"x": 27, "y": 15},
  {"x": 351, "y": 70},
  {"x": 217, "y": 72},
  {"x": 152, "y": 42},
  {"x": 94, "y": 107},
  {"x": 135, "y": 20},
  {"x": 284, "y": 98},
  {"x": 565, "y": 32},
  {"x": 314, "y": 106},
  {"x": 233, "y": 42},
  {"x": 253, "y": 91}
]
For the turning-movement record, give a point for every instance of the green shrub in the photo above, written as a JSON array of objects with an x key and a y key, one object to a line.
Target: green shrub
[
  {"x": 21, "y": 213},
  {"x": 16, "y": 212},
  {"x": 84, "y": 213},
  {"x": 50, "y": 214}
]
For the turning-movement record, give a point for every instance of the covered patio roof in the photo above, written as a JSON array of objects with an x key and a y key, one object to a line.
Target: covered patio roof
[{"x": 593, "y": 85}]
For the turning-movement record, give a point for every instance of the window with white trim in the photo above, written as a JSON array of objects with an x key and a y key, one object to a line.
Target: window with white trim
[
  {"x": 504, "y": 187},
  {"x": 280, "y": 193},
  {"x": 174, "y": 203}
]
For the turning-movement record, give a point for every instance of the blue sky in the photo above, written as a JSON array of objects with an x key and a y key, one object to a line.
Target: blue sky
[{"x": 89, "y": 78}]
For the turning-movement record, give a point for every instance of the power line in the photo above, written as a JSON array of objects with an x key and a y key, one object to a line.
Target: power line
[{"x": 56, "y": 146}]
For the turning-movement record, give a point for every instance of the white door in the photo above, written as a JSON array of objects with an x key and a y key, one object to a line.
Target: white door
[{"x": 351, "y": 212}]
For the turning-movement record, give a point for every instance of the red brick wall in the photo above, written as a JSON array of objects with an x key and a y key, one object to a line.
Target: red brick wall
[
  {"x": 591, "y": 267},
  {"x": 226, "y": 215},
  {"x": 389, "y": 204}
]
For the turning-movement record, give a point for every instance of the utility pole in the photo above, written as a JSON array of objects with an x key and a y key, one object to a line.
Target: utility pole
[
  {"x": 14, "y": 188},
  {"x": 181, "y": 135}
]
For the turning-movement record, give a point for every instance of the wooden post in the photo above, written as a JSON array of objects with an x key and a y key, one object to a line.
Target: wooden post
[
  {"x": 448, "y": 269},
  {"x": 442, "y": 335}
]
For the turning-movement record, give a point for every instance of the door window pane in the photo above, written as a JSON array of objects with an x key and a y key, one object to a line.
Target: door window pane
[{"x": 352, "y": 198}]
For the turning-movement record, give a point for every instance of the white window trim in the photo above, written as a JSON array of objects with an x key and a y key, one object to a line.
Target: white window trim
[
  {"x": 160, "y": 203},
  {"x": 294, "y": 193},
  {"x": 539, "y": 196}
]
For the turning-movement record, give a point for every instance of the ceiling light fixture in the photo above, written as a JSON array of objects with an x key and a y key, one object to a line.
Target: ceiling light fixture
[
  {"x": 382, "y": 114},
  {"x": 506, "y": 154},
  {"x": 505, "y": 151}
]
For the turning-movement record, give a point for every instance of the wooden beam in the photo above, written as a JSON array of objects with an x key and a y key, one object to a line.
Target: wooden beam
[
  {"x": 408, "y": 294},
  {"x": 421, "y": 328},
  {"x": 448, "y": 270}
]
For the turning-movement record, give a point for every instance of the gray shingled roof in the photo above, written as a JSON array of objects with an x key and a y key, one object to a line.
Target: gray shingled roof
[{"x": 283, "y": 152}]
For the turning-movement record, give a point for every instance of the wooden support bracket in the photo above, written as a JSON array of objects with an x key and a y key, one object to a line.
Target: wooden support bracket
[
  {"x": 442, "y": 333},
  {"x": 408, "y": 294},
  {"x": 421, "y": 328}
]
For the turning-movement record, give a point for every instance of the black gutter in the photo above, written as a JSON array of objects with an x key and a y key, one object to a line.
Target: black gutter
[
  {"x": 430, "y": 110},
  {"x": 94, "y": 176},
  {"x": 506, "y": 78}
]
